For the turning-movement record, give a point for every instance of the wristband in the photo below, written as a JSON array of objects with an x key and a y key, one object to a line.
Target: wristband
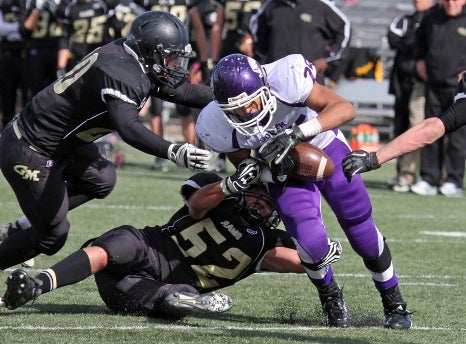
[
  {"x": 310, "y": 128},
  {"x": 225, "y": 187}
]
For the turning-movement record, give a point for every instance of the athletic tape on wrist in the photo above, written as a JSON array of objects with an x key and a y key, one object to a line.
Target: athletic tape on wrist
[{"x": 310, "y": 128}]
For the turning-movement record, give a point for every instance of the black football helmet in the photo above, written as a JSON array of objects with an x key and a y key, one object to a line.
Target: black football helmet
[
  {"x": 160, "y": 42},
  {"x": 250, "y": 211}
]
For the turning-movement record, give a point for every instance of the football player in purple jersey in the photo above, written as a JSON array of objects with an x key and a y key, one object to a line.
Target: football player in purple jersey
[
  {"x": 213, "y": 241},
  {"x": 271, "y": 108},
  {"x": 47, "y": 153},
  {"x": 422, "y": 134}
]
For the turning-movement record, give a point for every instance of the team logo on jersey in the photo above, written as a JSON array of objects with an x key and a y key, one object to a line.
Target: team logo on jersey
[
  {"x": 26, "y": 173},
  {"x": 231, "y": 228}
]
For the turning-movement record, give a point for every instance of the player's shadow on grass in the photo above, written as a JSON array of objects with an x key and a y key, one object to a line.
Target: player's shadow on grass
[
  {"x": 58, "y": 308},
  {"x": 253, "y": 328}
]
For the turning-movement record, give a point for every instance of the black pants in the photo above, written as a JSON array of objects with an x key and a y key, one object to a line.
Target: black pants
[{"x": 46, "y": 190}]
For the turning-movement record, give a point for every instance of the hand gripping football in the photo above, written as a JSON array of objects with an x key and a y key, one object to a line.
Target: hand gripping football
[{"x": 311, "y": 162}]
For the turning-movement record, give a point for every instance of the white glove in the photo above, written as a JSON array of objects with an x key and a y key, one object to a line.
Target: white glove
[
  {"x": 187, "y": 155},
  {"x": 50, "y": 5}
]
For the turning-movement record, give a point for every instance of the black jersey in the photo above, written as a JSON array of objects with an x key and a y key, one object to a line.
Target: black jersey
[
  {"x": 440, "y": 41},
  {"x": 455, "y": 116},
  {"x": 12, "y": 11},
  {"x": 176, "y": 7},
  {"x": 46, "y": 33},
  {"x": 213, "y": 252},
  {"x": 72, "y": 111},
  {"x": 237, "y": 16},
  {"x": 84, "y": 27},
  {"x": 314, "y": 28}
]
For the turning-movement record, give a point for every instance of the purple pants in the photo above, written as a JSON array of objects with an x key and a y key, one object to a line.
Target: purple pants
[{"x": 299, "y": 205}]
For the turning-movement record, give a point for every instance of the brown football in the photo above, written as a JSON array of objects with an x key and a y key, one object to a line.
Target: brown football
[{"x": 311, "y": 162}]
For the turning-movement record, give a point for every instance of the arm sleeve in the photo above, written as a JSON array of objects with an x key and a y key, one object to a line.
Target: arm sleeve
[
  {"x": 192, "y": 95},
  {"x": 455, "y": 116},
  {"x": 125, "y": 119}
]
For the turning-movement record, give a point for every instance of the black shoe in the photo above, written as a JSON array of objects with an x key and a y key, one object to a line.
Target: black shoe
[
  {"x": 398, "y": 318},
  {"x": 333, "y": 306},
  {"x": 396, "y": 315},
  {"x": 20, "y": 289}
]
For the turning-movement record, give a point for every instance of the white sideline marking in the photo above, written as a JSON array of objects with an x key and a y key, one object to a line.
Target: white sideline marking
[
  {"x": 447, "y": 234},
  {"x": 202, "y": 329}
]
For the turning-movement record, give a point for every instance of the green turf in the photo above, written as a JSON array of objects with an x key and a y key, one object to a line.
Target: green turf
[{"x": 268, "y": 308}]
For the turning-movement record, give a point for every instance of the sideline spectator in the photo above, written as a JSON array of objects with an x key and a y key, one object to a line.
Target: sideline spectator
[
  {"x": 13, "y": 63},
  {"x": 441, "y": 45},
  {"x": 316, "y": 29},
  {"x": 408, "y": 89},
  {"x": 421, "y": 135}
]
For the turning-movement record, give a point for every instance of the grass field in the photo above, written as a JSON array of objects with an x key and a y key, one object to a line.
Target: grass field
[{"x": 427, "y": 237}]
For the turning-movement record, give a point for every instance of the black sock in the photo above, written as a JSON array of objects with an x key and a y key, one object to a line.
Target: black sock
[{"x": 70, "y": 270}]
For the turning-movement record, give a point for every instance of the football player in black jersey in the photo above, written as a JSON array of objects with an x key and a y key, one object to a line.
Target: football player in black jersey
[
  {"x": 213, "y": 241},
  {"x": 418, "y": 136},
  {"x": 47, "y": 153},
  {"x": 85, "y": 27}
]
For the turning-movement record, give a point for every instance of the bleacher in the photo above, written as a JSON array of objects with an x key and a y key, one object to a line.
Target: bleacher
[{"x": 370, "y": 20}]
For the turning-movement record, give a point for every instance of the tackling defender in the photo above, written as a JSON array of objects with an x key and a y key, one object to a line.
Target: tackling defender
[
  {"x": 47, "y": 153},
  {"x": 170, "y": 270}
]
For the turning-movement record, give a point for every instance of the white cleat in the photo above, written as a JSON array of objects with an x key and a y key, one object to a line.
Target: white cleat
[{"x": 200, "y": 303}]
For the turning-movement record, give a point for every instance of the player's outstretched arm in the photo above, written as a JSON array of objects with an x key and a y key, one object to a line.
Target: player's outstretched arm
[{"x": 420, "y": 135}]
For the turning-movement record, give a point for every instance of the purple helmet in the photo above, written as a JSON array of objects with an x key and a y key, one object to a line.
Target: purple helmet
[{"x": 238, "y": 80}]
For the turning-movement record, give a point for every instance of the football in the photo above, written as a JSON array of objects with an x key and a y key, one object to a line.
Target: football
[{"x": 311, "y": 162}]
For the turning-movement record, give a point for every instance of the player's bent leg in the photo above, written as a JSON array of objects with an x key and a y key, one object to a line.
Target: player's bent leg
[{"x": 9, "y": 229}]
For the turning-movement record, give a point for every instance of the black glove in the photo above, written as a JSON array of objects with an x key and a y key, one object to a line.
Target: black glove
[
  {"x": 359, "y": 161},
  {"x": 282, "y": 171},
  {"x": 248, "y": 172},
  {"x": 187, "y": 155},
  {"x": 277, "y": 148}
]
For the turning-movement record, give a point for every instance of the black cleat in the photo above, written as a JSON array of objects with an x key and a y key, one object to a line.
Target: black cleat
[
  {"x": 20, "y": 289},
  {"x": 333, "y": 306},
  {"x": 396, "y": 315},
  {"x": 398, "y": 318}
]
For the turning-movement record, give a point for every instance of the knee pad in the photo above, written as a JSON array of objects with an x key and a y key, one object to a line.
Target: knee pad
[{"x": 108, "y": 178}]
